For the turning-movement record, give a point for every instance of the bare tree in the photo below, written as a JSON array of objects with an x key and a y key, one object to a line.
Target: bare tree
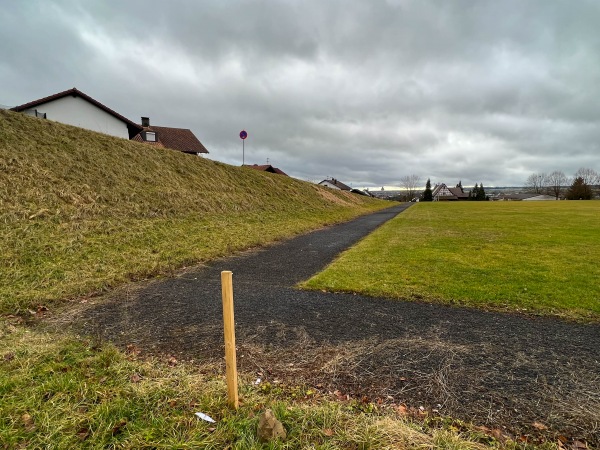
[
  {"x": 411, "y": 184},
  {"x": 589, "y": 176},
  {"x": 536, "y": 182},
  {"x": 555, "y": 182}
]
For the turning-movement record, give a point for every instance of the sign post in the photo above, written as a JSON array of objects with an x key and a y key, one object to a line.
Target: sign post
[
  {"x": 243, "y": 136},
  {"x": 229, "y": 332}
]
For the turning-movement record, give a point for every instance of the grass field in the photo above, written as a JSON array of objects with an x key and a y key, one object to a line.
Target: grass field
[{"x": 539, "y": 257}]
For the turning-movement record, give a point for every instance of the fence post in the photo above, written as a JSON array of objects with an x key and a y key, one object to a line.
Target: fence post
[{"x": 229, "y": 332}]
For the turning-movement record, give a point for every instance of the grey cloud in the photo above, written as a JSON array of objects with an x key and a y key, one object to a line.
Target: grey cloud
[{"x": 478, "y": 91}]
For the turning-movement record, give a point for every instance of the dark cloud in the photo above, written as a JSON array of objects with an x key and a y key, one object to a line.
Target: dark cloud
[{"x": 478, "y": 91}]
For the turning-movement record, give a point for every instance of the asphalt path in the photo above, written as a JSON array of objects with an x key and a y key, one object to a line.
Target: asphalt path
[{"x": 496, "y": 369}]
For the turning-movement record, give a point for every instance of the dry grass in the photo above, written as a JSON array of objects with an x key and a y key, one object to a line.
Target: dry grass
[
  {"x": 60, "y": 391},
  {"x": 496, "y": 391}
]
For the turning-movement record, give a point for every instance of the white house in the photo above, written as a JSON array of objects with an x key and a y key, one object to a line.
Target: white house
[
  {"x": 335, "y": 184},
  {"x": 73, "y": 107},
  {"x": 443, "y": 192}
]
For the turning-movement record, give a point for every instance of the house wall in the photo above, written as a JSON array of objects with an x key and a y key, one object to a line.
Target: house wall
[
  {"x": 443, "y": 192},
  {"x": 79, "y": 112},
  {"x": 329, "y": 185}
]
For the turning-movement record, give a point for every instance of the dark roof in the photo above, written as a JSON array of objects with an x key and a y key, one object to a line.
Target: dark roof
[
  {"x": 458, "y": 192},
  {"x": 359, "y": 192},
  {"x": 337, "y": 183},
  {"x": 181, "y": 139},
  {"x": 266, "y": 168},
  {"x": 133, "y": 127}
]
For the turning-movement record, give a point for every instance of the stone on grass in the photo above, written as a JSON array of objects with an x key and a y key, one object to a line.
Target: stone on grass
[{"x": 269, "y": 428}]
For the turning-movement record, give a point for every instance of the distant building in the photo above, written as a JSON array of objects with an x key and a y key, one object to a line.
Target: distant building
[
  {"x": 266, "y": 168},
  {"x": 521, "y": 197},
  {"x": 539, "y": 198},
  {"x": 441, "y": 192},
  {"x": 335, "y": 184}
]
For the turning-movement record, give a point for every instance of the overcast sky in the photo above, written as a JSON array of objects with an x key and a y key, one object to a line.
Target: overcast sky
[{"x": 364, "y": 91}]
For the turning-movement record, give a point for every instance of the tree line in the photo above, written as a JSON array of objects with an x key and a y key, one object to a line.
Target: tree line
[
  {"x": 580, "y": 187},
  {"x": 412, "y": 190}
]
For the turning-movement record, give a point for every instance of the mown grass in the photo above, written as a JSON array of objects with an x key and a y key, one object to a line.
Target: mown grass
[
  {"x": 539, "y": 257},
  {"x": 81, "y": 211},
  {"x": 60, "y": 391}
]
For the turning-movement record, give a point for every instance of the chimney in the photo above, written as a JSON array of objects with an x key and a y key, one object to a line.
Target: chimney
[{"x": 145, "y": 121}]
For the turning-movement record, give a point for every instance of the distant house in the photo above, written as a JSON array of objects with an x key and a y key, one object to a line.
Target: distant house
[
  {"x": 335, "y": 184},
  {"x": 181, "y": 139},
  {"x": 359, "y": 192},
  {"x": 73, "y": 107},
  {"x": 266, "y": 168},
  {"x": 441, "y": 192}
]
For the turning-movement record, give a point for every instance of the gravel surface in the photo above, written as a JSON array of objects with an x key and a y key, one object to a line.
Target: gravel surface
[{"x": 523, "y": 375}]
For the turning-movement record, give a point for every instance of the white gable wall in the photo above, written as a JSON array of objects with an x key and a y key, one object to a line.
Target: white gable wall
[
  {"x": 81, "y": 113},
  {"x": 329, "y": 185}
]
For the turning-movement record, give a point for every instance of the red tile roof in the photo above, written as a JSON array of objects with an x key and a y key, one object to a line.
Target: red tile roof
[
  {"x": 132, "y": 126},
  {"x": 181, "y": 139}
]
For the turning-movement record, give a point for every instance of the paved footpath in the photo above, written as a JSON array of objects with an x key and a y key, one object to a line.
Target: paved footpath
[{"x": 493, "y": 368}]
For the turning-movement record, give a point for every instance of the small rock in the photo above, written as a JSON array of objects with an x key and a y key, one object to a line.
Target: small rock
[
  {"x": 28, "y": 422},
  {"x": 269, "y": 428}
]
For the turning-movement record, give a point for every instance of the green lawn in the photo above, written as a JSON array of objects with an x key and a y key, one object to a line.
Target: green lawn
[{"x": 528, "y": 256}]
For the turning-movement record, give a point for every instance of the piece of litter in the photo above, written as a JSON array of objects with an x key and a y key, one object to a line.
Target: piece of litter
[
  {"x": 205, "y": 417},
  {"x": 258, "y": 380}
]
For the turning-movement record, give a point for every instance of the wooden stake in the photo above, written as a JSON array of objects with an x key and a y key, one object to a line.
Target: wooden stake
[{"x": 229, "y": 331}]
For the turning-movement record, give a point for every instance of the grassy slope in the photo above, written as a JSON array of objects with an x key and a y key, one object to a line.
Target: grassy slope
[
  {"x": 539, "y": 256},
  {"x": 81, "y": 211}
]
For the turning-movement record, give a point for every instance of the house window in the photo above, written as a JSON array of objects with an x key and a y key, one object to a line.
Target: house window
[{"x": 150, "y": 136}]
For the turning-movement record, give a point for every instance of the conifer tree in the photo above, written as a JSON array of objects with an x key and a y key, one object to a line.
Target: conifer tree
[
  {"x": 481, "y": 193},
  {"x": 428, "y": 194},
  {"x": 474, "y": 192},
  {"x": 579, "y": 190}
]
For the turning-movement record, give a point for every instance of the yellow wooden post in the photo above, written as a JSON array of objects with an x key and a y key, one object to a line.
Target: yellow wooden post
[{"x": 229, "y": 331}]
